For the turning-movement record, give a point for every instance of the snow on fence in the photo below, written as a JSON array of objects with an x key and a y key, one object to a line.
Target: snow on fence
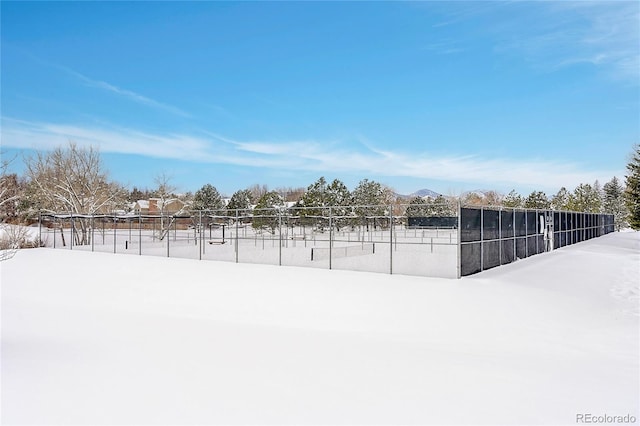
[{"x": 446, "y": 241}]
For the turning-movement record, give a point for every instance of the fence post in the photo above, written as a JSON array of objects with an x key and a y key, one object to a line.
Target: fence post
[
  {"x": 459, "y": 248},
  {"x": 204, "y": 249},
  {"x": 237, "y": 248},
  {"x": 572, "y": 226},
  {"x": 166, "y": 235},
  {"x": 115, "y": 227},
  {"x": 391, "y": 239},
  {"x": 196, "y": 231},
  {"x": 72, "y": 231},
  {"x": 559, "y": 230},
  {"x": 330, "y": 237},
  {"x": 140, "y": 234},
  {"x": 39, "y": 228},
  {"x": 481, "y": 239},
  {"x": 537, "y": 227},
  {"x": 526, "y": 233},
  {"x": 500, "y": 235},
  {"x": 199, "y": 226},
  {"x": 279, "y": 237},
  {"x": 513, "y": 227}
]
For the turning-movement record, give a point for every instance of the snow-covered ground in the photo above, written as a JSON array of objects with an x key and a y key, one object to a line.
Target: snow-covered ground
[{"x": 98, "y": 338}]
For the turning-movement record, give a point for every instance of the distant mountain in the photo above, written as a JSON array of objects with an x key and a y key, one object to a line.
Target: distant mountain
[
  {"x": 424, "y": 193},
  {"x": 419, "y": 193}
]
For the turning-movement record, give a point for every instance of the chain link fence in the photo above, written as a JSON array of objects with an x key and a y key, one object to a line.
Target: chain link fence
[
  {"x": 436, "y": 241},
  {"x": 385, "y": 239}
]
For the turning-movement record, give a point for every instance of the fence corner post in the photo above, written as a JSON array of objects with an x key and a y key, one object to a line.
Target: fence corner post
[
  {"x": 459, "y": 245},
  {"x": 390, "y": 239},
  {"x": 279, "y": 237},
  {"x": 39, "y": 228},
  {"x": 330, "y": 238}
]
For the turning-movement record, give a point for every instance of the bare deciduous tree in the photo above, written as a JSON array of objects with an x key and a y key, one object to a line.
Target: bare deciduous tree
[
  {"x": 165, "y": 192},
  {"x": 257, "y": 191},
  {"x": 290, "y": 193},
  {"x": 72, "y": 180}
]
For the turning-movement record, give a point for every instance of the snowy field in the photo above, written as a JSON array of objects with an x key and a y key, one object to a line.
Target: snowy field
[{"x": 98, "y": 338}]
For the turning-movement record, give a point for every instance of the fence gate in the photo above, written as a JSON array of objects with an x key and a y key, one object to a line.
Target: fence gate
[{"x": 546, "y": 228}]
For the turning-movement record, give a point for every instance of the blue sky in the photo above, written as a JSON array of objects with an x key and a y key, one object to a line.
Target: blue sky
[{"x": 450, "y": 96}]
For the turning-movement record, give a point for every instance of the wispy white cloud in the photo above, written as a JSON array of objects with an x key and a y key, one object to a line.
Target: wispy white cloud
[
  {"x": 554, "y": 34},
  {"x": 463, "y": 11},
  {"x": 320, "y": 156},
  {"x": 47, "y": 136},
  {"x": 445, "y": 47},
  {"x": 133, "y": 96},
  {"x": 98, "y": 84},
  {"x": 605, "y": 34}
]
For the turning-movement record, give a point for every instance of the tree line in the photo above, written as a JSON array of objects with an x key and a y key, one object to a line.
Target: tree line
[{"x": 73, "y": 179}]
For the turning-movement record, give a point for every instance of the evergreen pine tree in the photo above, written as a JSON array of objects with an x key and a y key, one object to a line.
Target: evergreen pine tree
[
  {"x": 596, "y": 198},
  {"x": 561, "y": 200},
  {"x": 320, "y": 195},
  {"x": 614, "y": 203},
  {"x": 418, "y": 207},
  {"x": 579, "y": 199},
  {"x": 240, "y": 200},
  {"x": 315, "y": 195},
  {"x": 313, "y": 201},
  {"x": 338, "y": 194},
  {"x": 586, "y": 198},
  {"x": 207, "y": 198},
  {"x": 137, "y": 194},
  {"x": 367, "y": 193},
  {"x": 632, "y": 192},
  {"x": 513, "y": 200},
  {"x": 368, "y": 197},
  {"x": 265, "y": 214},
  {"x": 537, "y": 200},
  {"x": 441, "y": 207},
  {"x": 339, "y": 197}
]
